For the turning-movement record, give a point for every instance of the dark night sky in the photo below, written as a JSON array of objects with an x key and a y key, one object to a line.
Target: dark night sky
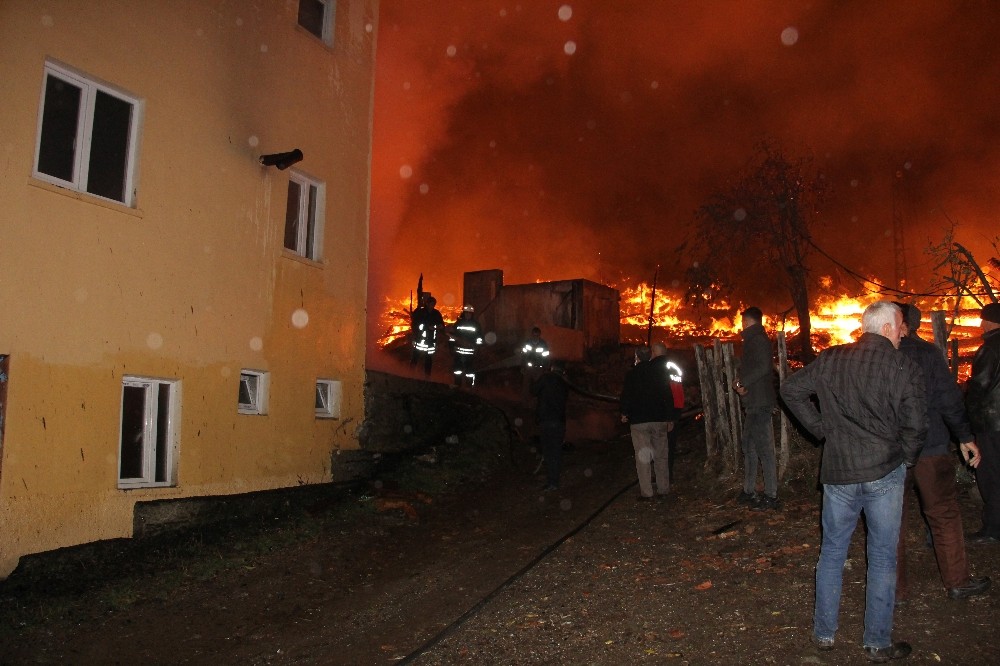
[{"x": 560, "y": 140}]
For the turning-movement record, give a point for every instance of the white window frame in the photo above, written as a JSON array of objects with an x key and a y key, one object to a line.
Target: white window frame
[
  {"x": 305, "y": 225},
  {"x": 329, "y": 16},
  {"x": 89, "y": 88},
  {"x": 152, "y": 435},
  {"x": 257, "y": 383},
  {"x": 329, "y": 394}
]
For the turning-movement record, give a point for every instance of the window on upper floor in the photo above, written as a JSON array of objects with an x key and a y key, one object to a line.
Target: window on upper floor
[
  {"x": 304, "y": 215},
  {"x": 253, "y": 392},
  {"x": 148, "y": 443},
  {"x": 87, "y": 136},
  {"x": 328, "y": 392},
  {"x": 316, "y": 16}
]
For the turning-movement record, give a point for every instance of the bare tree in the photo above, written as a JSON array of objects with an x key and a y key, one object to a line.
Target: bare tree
[
  {"x": 755, "y": 232},
  {"x": 958, "y": 271}
]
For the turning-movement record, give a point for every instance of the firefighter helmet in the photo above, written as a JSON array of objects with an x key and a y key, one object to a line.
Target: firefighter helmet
[{"x": 468, "y": 308}]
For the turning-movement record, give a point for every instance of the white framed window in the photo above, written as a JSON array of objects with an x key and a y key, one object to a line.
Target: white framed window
[
  {"x": 253, "y": 392},
  {"x": 147, "y": 452},
  {"x": 328, "y": 395},
  {"x": 317, "y": 16},
  {"x": 87, "y": 136},
  {"x": 304, "y": 216}
]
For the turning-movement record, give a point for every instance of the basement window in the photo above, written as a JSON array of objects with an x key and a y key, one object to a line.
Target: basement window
[
  {"x": 253, "y": 392},
  {"x": 87, "y": 136},
  {"x": 148, "y": 443},
  {"x": 316, "y": 16},
  {"x": 303, "y": 216},
  {"x": 328, "y": 394}
]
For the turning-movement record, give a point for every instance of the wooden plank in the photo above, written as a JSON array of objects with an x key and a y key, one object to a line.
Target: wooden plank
[
  {"x": 707, "y": 401},
  {"x": 783, "y": 429},
  {"x": 732, "y": 402}
]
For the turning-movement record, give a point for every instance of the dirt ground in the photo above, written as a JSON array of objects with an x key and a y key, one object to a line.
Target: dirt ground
[{"x": 485, "y": 568}]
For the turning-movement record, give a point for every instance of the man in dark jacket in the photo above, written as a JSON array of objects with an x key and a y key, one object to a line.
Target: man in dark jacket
[
  {"x": 674, "y": 373},
  {"x": 934, "y": 473},
  {"x": 647, "y": 405},
  {"x": 982, "y": 401},
  {"x": 873, "y": 416},
  {"x": 551, "y": 392},
  {"x": 755, "y": 384}
]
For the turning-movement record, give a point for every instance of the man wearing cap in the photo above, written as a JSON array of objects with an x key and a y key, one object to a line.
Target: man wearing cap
[
  {"x": 755, "y": 385},
  {"x": 934, "y": 473},
  {"x": 982, "y": 401}
]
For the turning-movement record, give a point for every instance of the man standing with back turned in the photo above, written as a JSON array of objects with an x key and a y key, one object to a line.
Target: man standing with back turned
[
  {"x": 647, "y": 406},
  {"x": 755, "y": 384},
  {"x": 934, "y": 473},
  {"x": 982, "y": 401},
  {"x": 873, "y": 415}
]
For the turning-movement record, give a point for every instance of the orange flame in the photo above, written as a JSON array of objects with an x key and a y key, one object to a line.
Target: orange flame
[
  {"x": 834, "y": 319},
  {"x": 394, "y": 322}
]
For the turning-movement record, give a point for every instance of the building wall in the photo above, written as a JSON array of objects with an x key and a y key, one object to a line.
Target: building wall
[
  {"x": 575, "y": 315},
  {"x": 193, "y": 283},
  {"x": 601, "y": 308}
]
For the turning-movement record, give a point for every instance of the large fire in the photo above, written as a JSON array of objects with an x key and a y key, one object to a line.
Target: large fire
[
  {"x": 394, "y": 322},
  {"x": 835, "y": 319}
]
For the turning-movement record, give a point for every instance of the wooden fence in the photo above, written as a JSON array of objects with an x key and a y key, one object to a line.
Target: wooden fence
[{"x": 721, "y": 406}]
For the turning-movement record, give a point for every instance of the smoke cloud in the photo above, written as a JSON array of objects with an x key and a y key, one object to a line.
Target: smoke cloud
[{"x": 560, "y": 140}]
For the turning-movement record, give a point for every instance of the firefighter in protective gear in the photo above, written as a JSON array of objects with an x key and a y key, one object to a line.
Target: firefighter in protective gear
[
  {"x": 425, "y": 322},
  {"x": 534, "y": 360},
  {"x": 535, "y": 351},
  {"x": 466, "y": 335}
]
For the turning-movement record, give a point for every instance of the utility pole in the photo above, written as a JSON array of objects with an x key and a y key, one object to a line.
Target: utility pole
[
  {"x": 898, "y": 246},
  {"x": 652, "y": 309}
]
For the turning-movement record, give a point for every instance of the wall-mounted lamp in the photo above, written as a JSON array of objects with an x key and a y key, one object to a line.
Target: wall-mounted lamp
[{"x": 282, "y": 160}]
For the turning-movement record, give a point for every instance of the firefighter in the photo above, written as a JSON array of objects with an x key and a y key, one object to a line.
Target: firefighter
[
  {"x": 534, "y": 360},
  {"x": 425, "y": 322},
  {"x": 535, "y": 350},
  {"x": 466, "y": 336}
]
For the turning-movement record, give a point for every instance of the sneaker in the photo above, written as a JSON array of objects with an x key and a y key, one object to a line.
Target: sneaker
[
  {"x": 766, "y": 503},
  {"x": 822, "y": 644},
  {"x": 746, "y": 498},
  {"x": 898, "y": 650},
  {"x": 548, "y": 488},
  {"x": 980, "y": 538},
  {"x": 971, "y": 588}
]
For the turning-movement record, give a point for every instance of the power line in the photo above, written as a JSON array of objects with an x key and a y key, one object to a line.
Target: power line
[{"x": 882, "y": 287}]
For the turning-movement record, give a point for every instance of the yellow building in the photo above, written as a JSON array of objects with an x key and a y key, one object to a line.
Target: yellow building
[{"x": 177, "y": 318}]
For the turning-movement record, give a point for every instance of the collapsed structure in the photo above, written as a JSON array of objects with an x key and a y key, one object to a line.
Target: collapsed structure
[{"x": 576, "y": 316}]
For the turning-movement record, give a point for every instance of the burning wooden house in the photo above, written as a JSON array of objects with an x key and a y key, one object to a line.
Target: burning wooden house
[{"x": 576, "y": 316}]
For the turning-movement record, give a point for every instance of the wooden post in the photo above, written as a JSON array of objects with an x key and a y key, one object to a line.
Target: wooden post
[
  {"x": 732, "y": 402},
  {"x": 724, "y": 423},
  {"x": 785, "y": 454},
  {"x": 940, "y": 329},
  {"x": 707, "y": 402}
]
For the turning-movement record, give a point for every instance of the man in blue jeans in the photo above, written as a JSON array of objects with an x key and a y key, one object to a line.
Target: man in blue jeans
[{"x": 873, "y": 417}]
